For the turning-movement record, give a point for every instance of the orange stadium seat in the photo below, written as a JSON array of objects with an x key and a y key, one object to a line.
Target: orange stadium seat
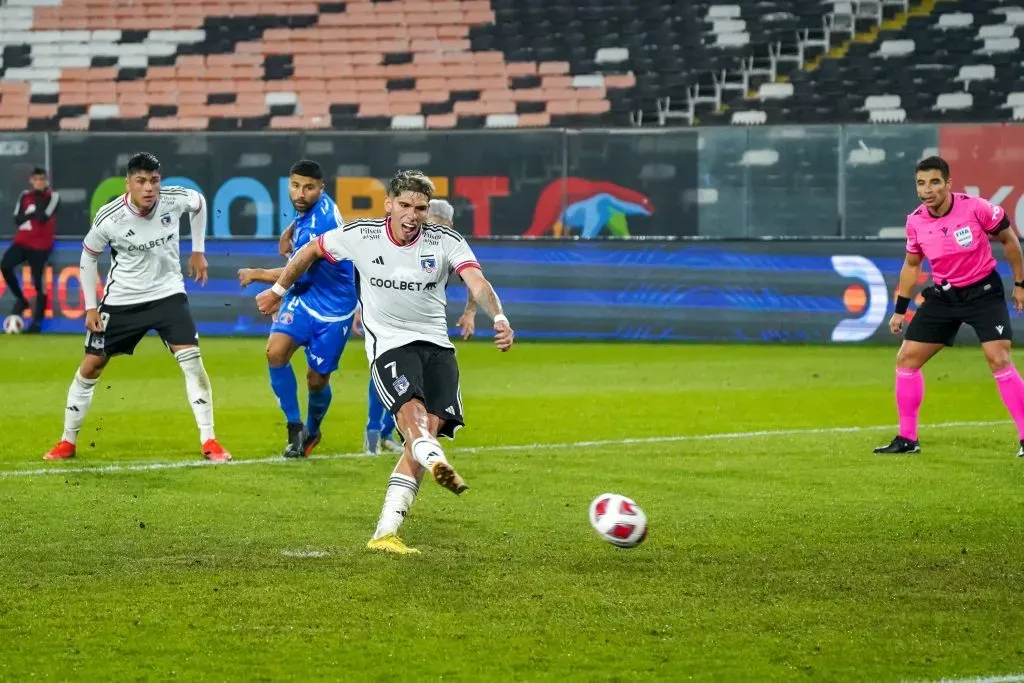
[{"x": 260, "y": 64}]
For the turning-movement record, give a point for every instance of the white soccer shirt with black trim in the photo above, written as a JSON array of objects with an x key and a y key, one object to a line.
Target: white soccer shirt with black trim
[
  {"x": 145, "y": 256},
  {"x": 401, "y": 287}
]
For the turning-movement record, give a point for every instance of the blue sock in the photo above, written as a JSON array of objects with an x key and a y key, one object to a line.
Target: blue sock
[
  {"x": 319, "y": 402},
  {"x": 387, "y": 425},
  {"x": 375, "y": 412},
  {"x": 282, "y": 381}
]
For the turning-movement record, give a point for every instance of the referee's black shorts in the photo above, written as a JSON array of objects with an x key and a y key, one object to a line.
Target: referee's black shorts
[{"x": 981, "y": 305}]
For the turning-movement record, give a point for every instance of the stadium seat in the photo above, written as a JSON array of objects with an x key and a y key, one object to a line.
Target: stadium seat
[
  {"x": 845, "y": 52},
  {"x": 406, "y": 64},
  {"x": 748, "y": 118},
  {"x": 343, "y": 65}
]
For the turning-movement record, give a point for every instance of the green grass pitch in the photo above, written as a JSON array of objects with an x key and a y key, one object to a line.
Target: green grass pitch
[{"x": 781, "y": 549}]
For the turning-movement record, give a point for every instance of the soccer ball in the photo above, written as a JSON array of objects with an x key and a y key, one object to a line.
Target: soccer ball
[
  {"x": 618, "y": 520},
  {"x": 13, "y": 324}
]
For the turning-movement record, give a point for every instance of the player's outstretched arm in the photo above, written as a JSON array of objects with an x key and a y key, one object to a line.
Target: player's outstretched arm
[
  {"x": 269, "y": 300},
  {"x": 1015, "y": 257},
  {"x": 246, "y": 276},
  {"x": 483, "y": 293},
  {"x": 909, "y": 274}
]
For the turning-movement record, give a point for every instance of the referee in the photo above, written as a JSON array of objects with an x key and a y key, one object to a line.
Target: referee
[{"x": 953, "y": 231}]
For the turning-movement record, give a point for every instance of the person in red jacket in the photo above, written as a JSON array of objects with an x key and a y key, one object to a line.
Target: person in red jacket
[{"x": 36, "y": 222}]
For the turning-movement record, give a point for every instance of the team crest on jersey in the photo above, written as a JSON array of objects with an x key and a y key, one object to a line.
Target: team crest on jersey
[
  {"x": 429, "y": 264},
  {"x": 166, "y": 219},
  {"x": 963, "y": 236},
  {"x": 401, "y": 385}
]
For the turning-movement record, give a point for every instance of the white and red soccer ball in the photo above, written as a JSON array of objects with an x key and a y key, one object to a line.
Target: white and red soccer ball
[
  {"x": 13, "y": 324},
  {"x": 618, "y": 520}
]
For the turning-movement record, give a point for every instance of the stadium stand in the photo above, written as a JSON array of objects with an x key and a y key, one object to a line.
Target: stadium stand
[
  {"x": 411, "y": 64},
  {"x": 877, "y": 61},
  {"x": 260, "y": 64}
]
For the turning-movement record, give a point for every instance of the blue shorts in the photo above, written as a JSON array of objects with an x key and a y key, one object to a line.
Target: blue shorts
[{"x": 324, "y": 341}]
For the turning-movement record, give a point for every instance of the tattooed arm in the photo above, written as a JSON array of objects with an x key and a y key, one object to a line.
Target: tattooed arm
[{"x": 483, "y": 293}]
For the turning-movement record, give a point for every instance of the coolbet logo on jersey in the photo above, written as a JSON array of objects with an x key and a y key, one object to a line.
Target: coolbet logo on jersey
[
  {"x": 152, "y": 244},
  {"x": 402, "y": 285}
]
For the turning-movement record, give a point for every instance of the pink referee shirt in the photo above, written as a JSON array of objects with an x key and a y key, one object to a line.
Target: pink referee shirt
[{"x": 957, "y": 243}]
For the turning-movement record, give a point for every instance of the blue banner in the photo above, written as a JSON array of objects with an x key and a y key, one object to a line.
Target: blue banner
[{"x": 817, "y": 291}]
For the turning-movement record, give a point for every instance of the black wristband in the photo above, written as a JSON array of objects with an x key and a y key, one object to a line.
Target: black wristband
[{"x": 902, "y": 303}]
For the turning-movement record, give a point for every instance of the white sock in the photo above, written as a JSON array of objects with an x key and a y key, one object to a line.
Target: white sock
[
  {"x": 399, "y": 498},
  {"x": 200, "y": 393},
  {"x": 426, "y": 451},
  {"x": 79, "y": 399}
]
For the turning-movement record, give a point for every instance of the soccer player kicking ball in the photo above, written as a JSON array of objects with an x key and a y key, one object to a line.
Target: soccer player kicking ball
[
  {"x": 403, "y": 265},
  {"x": 316, "y": 314},
  {"x": 145, "y": 291},
  {"x": 952, "y": 231},
  {"x": 380, "y": 423}
]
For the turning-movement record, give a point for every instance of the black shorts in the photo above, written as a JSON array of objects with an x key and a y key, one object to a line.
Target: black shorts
[
  {"x": 981, "y": 305},
  {"x": 125, "y": 326},
  {"x": 424, "y": 371}
]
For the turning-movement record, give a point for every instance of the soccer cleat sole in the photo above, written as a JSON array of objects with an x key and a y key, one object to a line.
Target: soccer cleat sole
[
  {"x": 52, "y": 456},
  {"x": 217, "y": 457},
  {"x": 445, "y": 475},
  {"x": 310, "y": 444},
  {"x": 916, "y": 451},
  {"x": 214, "y": 452}
]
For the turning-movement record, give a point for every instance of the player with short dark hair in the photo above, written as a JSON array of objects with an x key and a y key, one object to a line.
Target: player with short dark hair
[
  {"x": 316, "y": 314},
  {"x": 952, "y": 230},
  {"x": 380, "y": 423},
  {"x": 144, "y": 291},
  {"x": 403, "y": 264},
  {"x": 35, "y": 224}
]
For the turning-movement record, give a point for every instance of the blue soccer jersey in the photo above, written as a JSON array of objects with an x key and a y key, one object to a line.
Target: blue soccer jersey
[
  {"x": 327, "y": 290},
  {"x": 317, "y": 312}
]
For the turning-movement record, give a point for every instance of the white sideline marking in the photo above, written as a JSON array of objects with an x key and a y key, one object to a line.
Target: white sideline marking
[
  {"x": 1011, "y": 678},
  {"x": 305, "y": 553},
  {"x": 183, "y": 464}
]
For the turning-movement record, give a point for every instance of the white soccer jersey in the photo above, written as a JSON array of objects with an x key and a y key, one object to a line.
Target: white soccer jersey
[
  {"x": 145, "y": 257},
  {"x": 401, "y": 287}
]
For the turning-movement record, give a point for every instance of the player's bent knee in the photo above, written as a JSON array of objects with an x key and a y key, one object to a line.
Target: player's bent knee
[
  {"x": 998, "y": 355},
  {"x": 277, "y": 357},
  {"x": 911, "y": 356},
  {"x": 316, "y": 381},
  {"x": 92, "y": 366}
]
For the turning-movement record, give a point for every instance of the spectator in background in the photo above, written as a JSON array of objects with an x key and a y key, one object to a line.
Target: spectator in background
[{"x": 35, "y": 221}]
